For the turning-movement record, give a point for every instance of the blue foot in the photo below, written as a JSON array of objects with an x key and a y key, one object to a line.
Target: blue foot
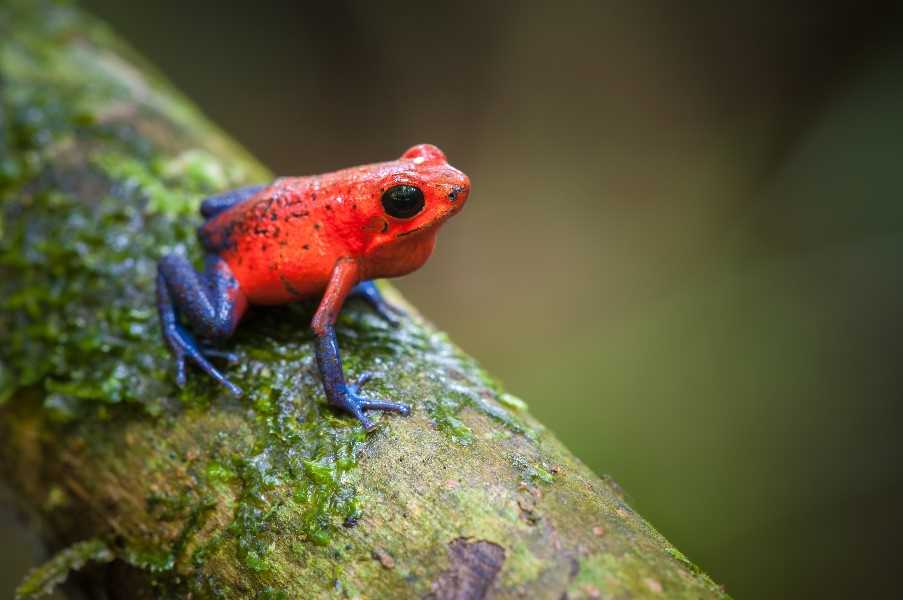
[
  {"x": 184, "y": 348},
  {"x": 354, "y": 403}
]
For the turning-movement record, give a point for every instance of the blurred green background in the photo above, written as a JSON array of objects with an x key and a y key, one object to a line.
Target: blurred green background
[{"x": 682, "y": 247}]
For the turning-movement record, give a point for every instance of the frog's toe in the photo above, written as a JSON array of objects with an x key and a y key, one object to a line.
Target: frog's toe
[
  {"x": 205, "y": 366},
  {"x": 362, "y": 380},
  {"x": 357, "y": 404},
  {"x": 229, "y": 357},
  {"x": 366, "y": 423},
  {"x": 185, "y": 348},
  {"x": 402, "y": 409},
  {"x": 180, "y": 371},
  {"x": 236, "y": 391}
]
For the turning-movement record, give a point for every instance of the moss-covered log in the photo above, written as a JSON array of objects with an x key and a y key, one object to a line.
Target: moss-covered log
[{"x": 102, "y": 167}]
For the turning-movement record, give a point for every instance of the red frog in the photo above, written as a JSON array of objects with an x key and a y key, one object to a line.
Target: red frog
[{"x": 322, "y": 236}]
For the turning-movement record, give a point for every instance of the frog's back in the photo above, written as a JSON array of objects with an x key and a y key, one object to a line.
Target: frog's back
[{"x": 274, "y": 243}]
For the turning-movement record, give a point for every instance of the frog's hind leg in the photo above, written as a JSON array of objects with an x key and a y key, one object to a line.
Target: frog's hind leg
[
  {"x": 212, "y": 302},
  {"x": 214, "y": 205},
  {"x": 368, "y": 291}
]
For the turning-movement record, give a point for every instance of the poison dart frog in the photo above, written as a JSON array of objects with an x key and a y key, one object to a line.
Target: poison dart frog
[{"x": 326, "y": 236}]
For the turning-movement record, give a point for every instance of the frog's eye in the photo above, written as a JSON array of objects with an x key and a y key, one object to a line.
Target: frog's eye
[{"x": 402, "y": 201}]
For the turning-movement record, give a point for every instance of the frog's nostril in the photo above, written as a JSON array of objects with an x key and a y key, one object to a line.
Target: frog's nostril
[{"x": 453, "y": 195}]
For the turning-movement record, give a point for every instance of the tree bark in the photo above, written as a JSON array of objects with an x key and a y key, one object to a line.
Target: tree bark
[{"x": 192, "y": 492}]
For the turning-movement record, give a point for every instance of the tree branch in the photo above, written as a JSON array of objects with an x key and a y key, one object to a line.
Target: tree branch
[{"x": 102, "y": 167}]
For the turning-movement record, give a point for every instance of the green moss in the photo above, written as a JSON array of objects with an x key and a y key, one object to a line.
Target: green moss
[
  {"x": 682, "y": 558},
  {"x": 628, "y": 575},
  {"x": 77, "y": 273},
  {"x": 77, "y": 301},
  {"x": 271, "y": 594},
  {"x": 512, "y": 402},
  {"x": 521, "y": 566},
  {"x": 149, "y": 558},
  {"x": 199, "y": 170},
  {"x": 455, "y": 428},
  {"x": 531, "y": 471},
  {"x": 44, "y": 579},
  {"x": 161, "y": 198},
  {"x": 171, "y": 186},
  {"x": 217, "y": 473},
  {"x": 56, "y": 499}
]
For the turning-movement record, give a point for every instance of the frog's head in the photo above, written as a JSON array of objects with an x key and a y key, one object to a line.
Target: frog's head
[
  {"x": 418, "y": 193},
  {"x": 422, "y": 192}
]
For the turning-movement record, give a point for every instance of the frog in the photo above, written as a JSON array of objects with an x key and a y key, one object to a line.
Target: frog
[{"x": 325, "y": 237}]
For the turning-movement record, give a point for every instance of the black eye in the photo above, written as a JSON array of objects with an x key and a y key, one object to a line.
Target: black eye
[{"x": 403, "y": 201}]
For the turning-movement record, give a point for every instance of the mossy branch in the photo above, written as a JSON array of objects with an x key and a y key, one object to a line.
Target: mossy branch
[{"x": 102, "y": 166}]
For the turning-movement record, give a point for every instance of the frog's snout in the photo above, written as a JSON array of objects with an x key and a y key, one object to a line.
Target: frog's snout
[{"x": 457, "y": 193}]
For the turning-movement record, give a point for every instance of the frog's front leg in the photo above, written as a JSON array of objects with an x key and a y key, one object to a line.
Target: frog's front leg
[
  {"x": 211, "y": 301},
  {"x": 368, "y": 291},
  {"x": 338, "y": 392}
]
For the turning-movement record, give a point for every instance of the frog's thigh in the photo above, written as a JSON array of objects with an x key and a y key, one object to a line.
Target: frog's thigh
[{"x": 211, "y": 301}]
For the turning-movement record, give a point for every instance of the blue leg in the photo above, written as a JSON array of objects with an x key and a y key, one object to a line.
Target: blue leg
[
  {"x": 368, "y": 291},
  {"x": 338, "y": 392},
  {"x": 214, "y": 205},
  {"x": 211, "y": 301},
  {"x": 341, "y": 394}
]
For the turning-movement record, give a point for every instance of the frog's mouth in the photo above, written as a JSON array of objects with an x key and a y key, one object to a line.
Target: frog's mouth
[
  {"x": 428, "y": 226},
  {"x": 415, "y": 230}
]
